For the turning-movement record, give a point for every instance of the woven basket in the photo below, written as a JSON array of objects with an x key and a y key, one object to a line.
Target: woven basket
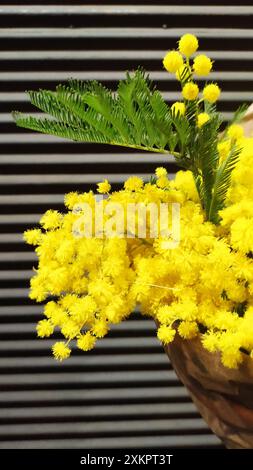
[{"x": 224, "y": 397}]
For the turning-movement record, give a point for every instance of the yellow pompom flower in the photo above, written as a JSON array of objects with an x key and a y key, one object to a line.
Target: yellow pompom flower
[
  {"x": 210, "y": 341},
  {"x": 211, "y": 93},
  {"x": 51, "y": 220},
  {"x": 178, "y": 108},
  {"x": 160, "y": 171},
  {"x": 44, "y": 329},
  {"x": 188, "y": 330},
  {"x": 71, "y": 199},
  {"x": 56, "y": 314},
  {"x": 202, "y": 119},
  {"x": 33, "y": 237},
  {"x": 224, "y": 149},
  {"x": 202, "y": 65},
  {"x": 70, "y": 329},
  {"x": 61, "y": 351},
  {"x": 173, "y": 61},
  {"x": 83, "y": 310},
  {"x": 190, "y": 91},
  {"x": 100, "y": 328},
  {"x": 66, "y": 251},
  {"x": 188, "y": 44},
  {"x": 165, "y": 334},
  {"x": 104, "y": 187},
  {"x": 38, "y": 290},
  {"x": 50, "y": 308},
  {"x": 232, "y": 358},
  {"x": 86, "y": 342},
  {"x": 133, "y": 183},
  {"x": 235, "y": 132},
  {"x": 165, "y": 314},
  {"x": 163, "y": 182},
  {"x": 241, "y": 234}
]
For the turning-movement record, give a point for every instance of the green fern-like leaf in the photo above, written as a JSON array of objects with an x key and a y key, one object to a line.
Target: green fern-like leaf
[
  {"x": 60, "y": 129},
  {"x": 136, "y": 116},
  {"x": 221, "y": 184},
  {"x": 205, "y": 156},
  {"x": 48, "y": 102}
]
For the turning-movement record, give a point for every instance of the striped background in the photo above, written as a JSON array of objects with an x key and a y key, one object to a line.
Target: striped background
[{"x": 126, "y": 387}]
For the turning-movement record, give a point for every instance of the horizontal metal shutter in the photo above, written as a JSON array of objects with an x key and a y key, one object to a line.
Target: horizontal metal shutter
[{"x": 126, "y": 387}]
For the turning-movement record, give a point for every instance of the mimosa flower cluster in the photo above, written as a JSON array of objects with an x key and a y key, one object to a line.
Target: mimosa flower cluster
[
  {"x": 203, "y": 288},
  {"x": 178, "y": 62}
]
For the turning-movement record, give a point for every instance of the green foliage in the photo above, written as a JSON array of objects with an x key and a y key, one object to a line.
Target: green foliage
[
  {"x": 221, "y": 184},
  {"x": 205, "y": 158},
  {"x": 137, "y": 116}
]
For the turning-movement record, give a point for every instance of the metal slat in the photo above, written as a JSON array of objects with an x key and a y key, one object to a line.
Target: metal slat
[
  {"x": 137, "y": 394},
  {"x": 16, "y": 275},
  {"x": 113, "y": 345},
  {"x": 84, "y": 158},
  {"x": 131, "y": 325},
  {"x": 144, "y": 337},
  {"x": 100, "y": 362},
  {"x": 36, "y": 381},
  {"x": 95, "y": 412},
  {"x": 61, "y": 179},
  {"x": 31, "y": 200},
  {"x": 15, "y": 219},
  {"x": 11, "y": 238},
  {"x": 11, "y": 293},
  {"x": 114, "y": 76},
  {"x": 125, "y": 10},
  {"x": 17, "y": 256},
  {"x": 111, "y": 33},
  {"x": 133, "y": 427},
  {"x": 179, "y": 441},
  {"x": 105, "y": 55},
  {"x": 139, "y": 326},
  {"x": 27, "y": 139},
  {"x": 57, "y": 381},
  {"x": 20, "y": 309}
]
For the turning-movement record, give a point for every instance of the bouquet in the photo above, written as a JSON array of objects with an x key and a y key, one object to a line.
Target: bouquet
[{"x": 178, "y": 249}]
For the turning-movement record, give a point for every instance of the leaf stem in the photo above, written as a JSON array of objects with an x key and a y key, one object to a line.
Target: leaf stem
[{"x": 147, "y": 149}]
